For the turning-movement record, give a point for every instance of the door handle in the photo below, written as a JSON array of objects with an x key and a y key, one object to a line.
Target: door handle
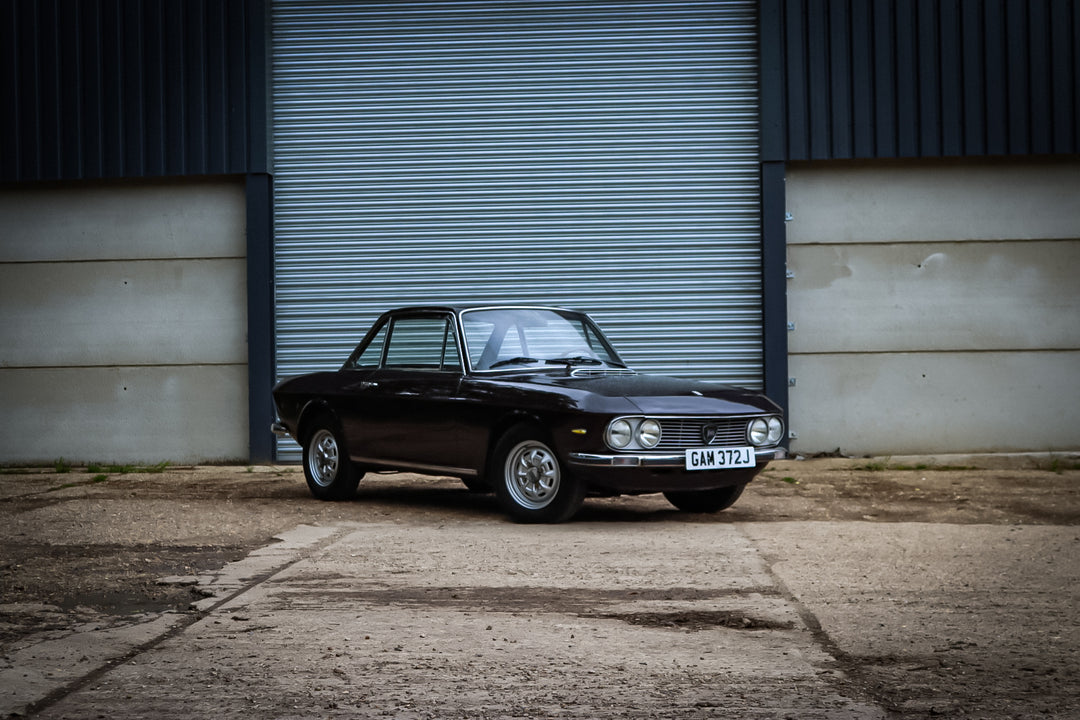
[{"x": 368, "y": 385}]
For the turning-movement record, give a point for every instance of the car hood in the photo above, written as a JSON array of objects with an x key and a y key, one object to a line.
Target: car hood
[{"x": 663, "y": 395}]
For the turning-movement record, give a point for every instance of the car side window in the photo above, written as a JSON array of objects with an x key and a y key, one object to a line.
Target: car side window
[
  {"x": 371, "y": 357},
  {"x": 422, "y": 343}
]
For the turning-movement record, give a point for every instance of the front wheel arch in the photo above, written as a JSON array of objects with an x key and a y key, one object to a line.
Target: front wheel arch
[
  {"x": 530, "y": 481},
  {"x": 496, "y": 431}
]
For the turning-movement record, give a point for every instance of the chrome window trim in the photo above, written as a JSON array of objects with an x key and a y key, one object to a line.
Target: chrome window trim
[
  {"x": 467, "y": 356},
  {"x": 387, "y": 320}
]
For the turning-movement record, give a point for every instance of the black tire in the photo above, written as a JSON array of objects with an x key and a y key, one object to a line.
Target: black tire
[
  {"x": 529, "y": 481},
  {"x": 329, "y": 473},
  {"x": 705, "y": 501}
]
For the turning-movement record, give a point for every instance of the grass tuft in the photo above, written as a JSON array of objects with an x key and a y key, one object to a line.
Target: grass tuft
[
  {"x": 883, "y": 465},
  {"x": 128, "y": 469}
]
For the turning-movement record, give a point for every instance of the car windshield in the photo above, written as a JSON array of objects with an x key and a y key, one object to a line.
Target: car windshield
[{"x": 522, "y": 337}]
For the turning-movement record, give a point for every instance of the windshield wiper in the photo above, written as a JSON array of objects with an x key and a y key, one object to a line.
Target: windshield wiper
[
  {"x": 521, "y": 360},
  {"x": 569, "y": 361},
  {"x": 576, "y": 360},
  {"x": 586, "y": 360}
]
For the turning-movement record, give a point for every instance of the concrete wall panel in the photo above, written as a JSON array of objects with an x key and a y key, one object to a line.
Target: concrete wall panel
[
  {"x": 916, "y": 403},
  {"x": 124, "y": 414},
  {"x": 936, "y": 306},
  {"x": 909, "y": 297},
  {"x": 124, "y": 332},
  {"x": 151, "y": 219},
  {"x": 171, "y": 312},
  {"x": 886, "y": 202}
]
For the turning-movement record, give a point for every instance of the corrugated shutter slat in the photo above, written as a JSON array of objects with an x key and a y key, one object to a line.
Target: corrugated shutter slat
[{"x": 598, "y": 155}]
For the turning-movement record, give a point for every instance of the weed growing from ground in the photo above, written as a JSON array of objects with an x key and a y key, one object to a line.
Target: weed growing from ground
[{"x": 128, "y": 469}]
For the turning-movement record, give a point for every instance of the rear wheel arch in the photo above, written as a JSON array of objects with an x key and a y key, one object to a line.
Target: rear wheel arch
[
  {"x": 328, "y": 468},
  {"x": 314, "y": 410}
]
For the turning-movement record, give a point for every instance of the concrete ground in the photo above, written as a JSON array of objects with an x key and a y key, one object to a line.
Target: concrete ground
[{"x": 835, "y": 588}]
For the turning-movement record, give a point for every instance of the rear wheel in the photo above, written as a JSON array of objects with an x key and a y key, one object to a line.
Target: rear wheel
[
  {"x": 529, "y": 480},
  {"x": 705, "y": 501},
  {"x": 329, "y": 473}
]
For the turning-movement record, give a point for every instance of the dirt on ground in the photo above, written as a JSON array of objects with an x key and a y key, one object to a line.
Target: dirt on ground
[
  {"x": 93, "y": 545},
  {"x": 77, "y": 543}
]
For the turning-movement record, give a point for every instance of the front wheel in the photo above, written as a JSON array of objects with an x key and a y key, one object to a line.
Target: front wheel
[
  {"x": 329, "y": 473},
  {"x": 529, "y": 480},
  {"x": 705, "y": 501}
]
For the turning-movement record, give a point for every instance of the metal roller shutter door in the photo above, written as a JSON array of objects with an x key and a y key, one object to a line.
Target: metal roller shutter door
[{"x": 598, "y": 155}]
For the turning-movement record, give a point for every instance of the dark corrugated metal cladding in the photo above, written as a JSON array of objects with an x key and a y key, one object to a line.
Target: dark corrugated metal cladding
[
  {"x": 919, "y": 78},
  {"x": 129, "y": 88}
]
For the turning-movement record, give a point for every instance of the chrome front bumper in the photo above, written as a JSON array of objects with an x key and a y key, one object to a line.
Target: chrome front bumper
[
  {"x": 659, "y": 461},
  {"x": 279, "y": 429}
]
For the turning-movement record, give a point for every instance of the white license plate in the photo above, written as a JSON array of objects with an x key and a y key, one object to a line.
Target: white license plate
[{"x": 720, "y": 458}]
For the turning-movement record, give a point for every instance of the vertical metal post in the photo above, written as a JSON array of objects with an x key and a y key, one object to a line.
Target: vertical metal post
[
  {"x": 260, "y": 314},
  {"x": 774, "y": 282}
]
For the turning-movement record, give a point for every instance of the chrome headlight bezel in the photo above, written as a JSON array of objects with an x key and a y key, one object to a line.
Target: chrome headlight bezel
[
  {"x": 765, "y": 431},
  {"x": 757, "y": 432},
  {"x": 619, "y": 434},
  {"x": 648, "y": 433},
  {"x": 776, "y": 430},
  {"x": 633, "y": 433}
]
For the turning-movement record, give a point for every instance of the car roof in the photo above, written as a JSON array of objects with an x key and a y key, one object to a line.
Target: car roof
[{"x": 458, "y": 309}]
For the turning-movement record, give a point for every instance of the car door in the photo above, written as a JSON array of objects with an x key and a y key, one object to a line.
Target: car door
[{"x": 404, "y": 413}]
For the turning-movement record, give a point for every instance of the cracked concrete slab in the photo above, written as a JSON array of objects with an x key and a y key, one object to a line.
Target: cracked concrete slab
[
  {"x": 41, "y": 666},
  {"x": 461, "y": 621},
  {"x": 913, "y": 589},
  {"x": 943, "y": 619}
]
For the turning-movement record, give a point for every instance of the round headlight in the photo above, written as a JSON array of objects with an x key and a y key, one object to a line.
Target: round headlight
[
  {"x": 776, "y": 430},
  {"x": 648, "y": 433},
  {"x": 758, "y": 432},
  {"x": 619, "y": 434}
]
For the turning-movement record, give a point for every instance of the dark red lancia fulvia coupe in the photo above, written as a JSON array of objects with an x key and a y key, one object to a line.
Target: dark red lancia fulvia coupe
[{"x": 532, "y": 403}]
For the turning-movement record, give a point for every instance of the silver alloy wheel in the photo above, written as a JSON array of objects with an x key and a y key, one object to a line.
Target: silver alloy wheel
[
  {"x": 532, "y": 475},
  {"x": 323, "y": 457}
]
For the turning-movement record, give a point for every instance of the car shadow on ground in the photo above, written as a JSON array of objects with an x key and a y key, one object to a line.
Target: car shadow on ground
[{"x": 451, "y": 497}]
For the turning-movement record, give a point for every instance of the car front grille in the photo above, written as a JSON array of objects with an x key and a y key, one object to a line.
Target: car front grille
[{"x": 679, "y": 433}]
